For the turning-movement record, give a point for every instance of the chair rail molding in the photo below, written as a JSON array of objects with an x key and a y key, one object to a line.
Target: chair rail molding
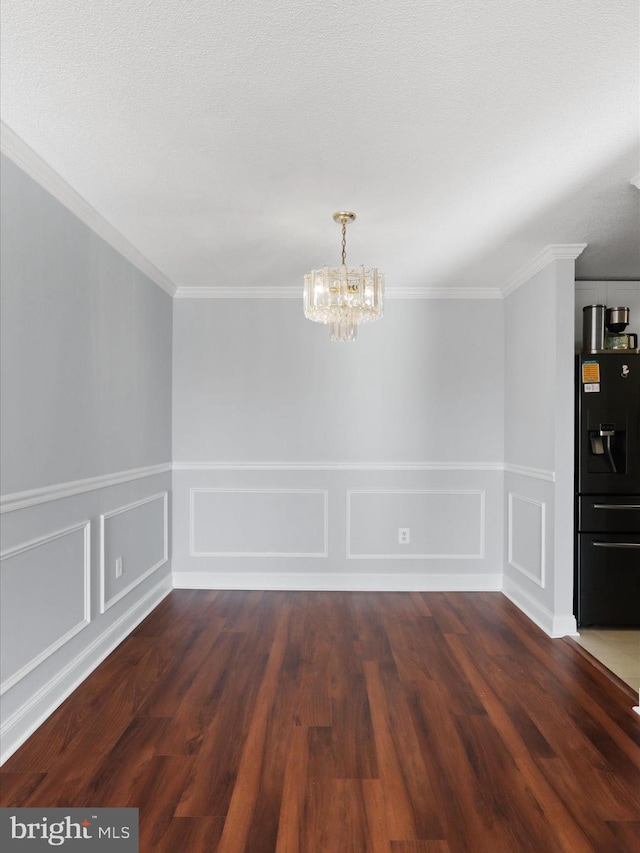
[
  {"x": 336, "y": 466},
  {"x": 31, "y": 497}
]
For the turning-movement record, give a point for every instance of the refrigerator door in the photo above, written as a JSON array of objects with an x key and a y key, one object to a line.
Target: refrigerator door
[
  {"x": 608, "y": 423},
  {"x": 609, "y": 514},
  {"x": 608, "y": 591}
]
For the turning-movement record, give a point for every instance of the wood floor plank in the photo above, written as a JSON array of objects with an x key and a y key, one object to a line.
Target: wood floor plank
[
  {"x": 355, "y": 757},
  {"x": 321, "y": 753},
  {"x": 626, "y": 834},
  {"x": 209, "y": 793},
  {"x": 397, "y": 803},
  {"x": 515, "y": 731},
  {"x": 174, "y": 613},
  {"x": 57, "y": 733},
  {"x": 100, "y": 779},
  {"x": 294, "y": 793},
  {"x": 250, "y": 779},
  {"x": 190, "y": 835},
  {"x": 447, "y": 767},
  {"x": 344, "y": 816},
  {"x": 253, "y": 722},
  {"x": 197, "y": 701},
  {"x": 444, "y": 615},
  {"x": 409, "y": 799},
  {"x": 16, "y": 789},
  {"x": 156, "y": 793},
  {"x": 309, "y": 633}
]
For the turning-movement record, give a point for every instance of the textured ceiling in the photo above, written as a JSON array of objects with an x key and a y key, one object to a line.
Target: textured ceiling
[{"x": 219, "y": 136}]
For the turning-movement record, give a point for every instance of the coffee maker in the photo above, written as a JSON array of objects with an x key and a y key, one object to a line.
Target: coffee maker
[{"x": 604, "y": 329}]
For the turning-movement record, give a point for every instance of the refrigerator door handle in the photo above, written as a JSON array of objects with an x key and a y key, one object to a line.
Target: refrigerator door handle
[
  {"x": 616, "y": 544},
  {"x": 616, "y": 506}
]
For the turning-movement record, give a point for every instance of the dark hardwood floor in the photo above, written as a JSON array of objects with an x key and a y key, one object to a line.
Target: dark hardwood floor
[{"x": 311, "y": 722}]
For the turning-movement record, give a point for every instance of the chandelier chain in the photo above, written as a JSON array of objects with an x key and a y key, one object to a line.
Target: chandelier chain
[{"x": 344, "y": 241}]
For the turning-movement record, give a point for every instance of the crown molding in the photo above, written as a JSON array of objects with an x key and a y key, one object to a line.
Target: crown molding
[
  {"x": 560, "y": 252},
  {"x": 635, "y": 181},
  {"x": 26, "y": 158},
  {"x": 296, "y": 293},
  {"x": 238, "y": 293},
  {"x": 443, "y": 293}
]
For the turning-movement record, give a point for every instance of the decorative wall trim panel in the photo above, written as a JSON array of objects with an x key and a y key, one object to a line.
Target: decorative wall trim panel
[
  {"x": 566, "y": 251},
  {"x": 31, "y": 163},
  {"x": 22, "y": 723},
  {"x": 339, "y": 581},
  {"x": 538, "y": 579},
  {"x": 338, "y": 466},
  {"x": 31, "y": 497},
  {"x": 194, "y": 552},
  {"x": 533, "y": 473},
  {"x": 59, "y": 641},
  {"x": 105, "y": 603},
  {"x": 394, "y": 555}
]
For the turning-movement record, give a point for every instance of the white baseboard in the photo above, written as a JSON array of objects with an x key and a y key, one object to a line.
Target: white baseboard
[
  {"x": 553, "y": 624},
  {"x": 338, "y": 582},
  {"x": 23, "y": 722}
]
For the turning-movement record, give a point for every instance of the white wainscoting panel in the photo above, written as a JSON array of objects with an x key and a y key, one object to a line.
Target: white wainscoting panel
[
  {"x": 446, "y": 524},
  {"x": 258, "y": 522},
  {"x": 527, "y": 537},
  {"x": 138, "y": 534},
  {"x": 45, "y": 595}
]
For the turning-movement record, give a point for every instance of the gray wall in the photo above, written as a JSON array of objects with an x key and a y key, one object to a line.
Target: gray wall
[
  {"x": 404, "y": 428},
  {"x": 539, "y": 395},
  {"x": 86, "y": 450},
  {"x": 254, "y": 380},
  {"x": 86, "y": 348}
]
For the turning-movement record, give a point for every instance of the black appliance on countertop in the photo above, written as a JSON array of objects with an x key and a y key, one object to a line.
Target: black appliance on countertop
[{"x": 607, "y": 566}]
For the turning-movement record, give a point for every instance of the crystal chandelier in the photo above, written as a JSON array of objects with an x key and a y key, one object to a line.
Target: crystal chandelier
[{"x": 343, "y": 297}]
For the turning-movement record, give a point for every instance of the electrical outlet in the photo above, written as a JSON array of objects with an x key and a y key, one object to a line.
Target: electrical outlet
[
  {"x": 404, "y": 535},
  {"x": 118, "y": 567}
]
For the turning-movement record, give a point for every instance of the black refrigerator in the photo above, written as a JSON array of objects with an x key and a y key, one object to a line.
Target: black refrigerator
[{"x": 607, "y": 561}]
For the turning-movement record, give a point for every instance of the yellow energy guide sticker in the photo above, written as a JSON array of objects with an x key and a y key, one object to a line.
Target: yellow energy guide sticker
[{"x": 590, "y": 372}]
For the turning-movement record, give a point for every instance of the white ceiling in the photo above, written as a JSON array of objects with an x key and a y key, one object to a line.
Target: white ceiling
[{"x": 219, "y": 136}]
